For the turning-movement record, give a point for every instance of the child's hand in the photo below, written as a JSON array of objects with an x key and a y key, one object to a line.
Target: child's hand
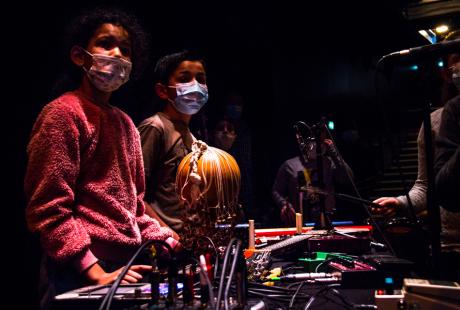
[{"x": 96, "y": 275}]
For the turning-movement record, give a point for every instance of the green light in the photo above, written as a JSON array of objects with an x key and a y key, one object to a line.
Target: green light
[
  {"x": 440, "y": 64},
  {"x": 330, "y": 125},
  {"x": 414, "y": 67}
]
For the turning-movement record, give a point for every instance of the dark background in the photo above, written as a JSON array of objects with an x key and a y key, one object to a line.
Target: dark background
[{"x": 291, "y": 60}]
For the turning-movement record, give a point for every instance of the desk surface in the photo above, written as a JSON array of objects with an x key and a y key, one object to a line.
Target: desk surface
[{"x": 326, "y": 300}]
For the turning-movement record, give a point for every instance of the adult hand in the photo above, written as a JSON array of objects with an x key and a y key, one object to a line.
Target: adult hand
[
  {"x": 388, "y": 206},
  {"x": 287, "y": 214}
]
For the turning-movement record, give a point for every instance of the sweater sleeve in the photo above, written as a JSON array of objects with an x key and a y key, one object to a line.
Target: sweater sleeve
[
  {"x": 417, "y": 193},
  {"x": 150, "y": 228},
  {"x": 52, "y": 171}
]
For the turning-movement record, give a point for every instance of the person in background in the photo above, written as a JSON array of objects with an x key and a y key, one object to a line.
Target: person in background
[
  {"x": 447, "y": 170},
  {"x": 443, "y": 131},
  {"x": 224, "y": 135},
  {"x": 233, "y": 135},
  {"x": 85, "y": 177},
  {"x": 390, "y": 206},
  {"x": 285, "y": 191},
  {"x": 166, "y": 137}
]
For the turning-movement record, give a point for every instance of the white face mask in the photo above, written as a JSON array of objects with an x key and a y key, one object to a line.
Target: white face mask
[
  {"x": 108, "y": 73},
  {"x": 190, "y": 97}
]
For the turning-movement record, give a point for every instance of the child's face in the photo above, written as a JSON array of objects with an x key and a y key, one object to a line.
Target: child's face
[
  {"x": 110, "y": 40},
  {"x": 187, "y": 71},
  {"x": 225, "y": 126}
]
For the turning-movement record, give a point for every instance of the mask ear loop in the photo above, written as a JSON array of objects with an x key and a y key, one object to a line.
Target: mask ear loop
[{"x": 84, "y": 59}]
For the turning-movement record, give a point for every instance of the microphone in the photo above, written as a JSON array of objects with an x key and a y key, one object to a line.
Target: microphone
[{"x": 426, "y": 51}]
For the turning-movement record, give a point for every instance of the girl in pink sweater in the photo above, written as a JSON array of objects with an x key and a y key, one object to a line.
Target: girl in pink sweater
[{"x": 85, "y": 175}]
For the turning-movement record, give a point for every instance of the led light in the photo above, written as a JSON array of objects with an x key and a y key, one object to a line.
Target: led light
[
  {"x": 330, "y": 125},
  {"x": 441, "y": 29}
]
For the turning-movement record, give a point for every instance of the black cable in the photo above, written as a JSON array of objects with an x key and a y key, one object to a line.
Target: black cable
[
  {"x": 208, "y": 282},
  {"x": 318, "y": 293},
  {"x": 261, "y": 290},
  {"x": 291, "y": 302},
  {"x": 107, "y": 301},
  {"x": 323, "y": 262},
  {"x": 342, "y": 297},
  {"x": 232, "y": 271},
  {"x": 279, "y": 298},
  {"x": 332, "y": 300},
  {"x": 312, "y": 285},
  {"x": 275, "y": 288},
  {"x": 286, "y": 297},
  {"x": 293, "y": 268},
  {"x": 222, "y": 276},
  {"x": 216, "y": 261},
  {"x": 294, "y": 284}
]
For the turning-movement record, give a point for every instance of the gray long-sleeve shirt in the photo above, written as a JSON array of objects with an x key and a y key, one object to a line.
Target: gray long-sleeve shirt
[{"x": 417, "y": 193}]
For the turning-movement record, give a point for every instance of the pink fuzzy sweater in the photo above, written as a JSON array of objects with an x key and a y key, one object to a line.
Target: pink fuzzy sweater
[{"x": 85, "y": 183}]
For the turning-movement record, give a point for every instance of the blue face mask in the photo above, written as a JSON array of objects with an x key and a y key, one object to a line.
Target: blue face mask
[{"x": 191, "y": 97}]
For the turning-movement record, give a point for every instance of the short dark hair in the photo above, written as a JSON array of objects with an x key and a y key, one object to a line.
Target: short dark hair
[{"x": 166, "y": 65}]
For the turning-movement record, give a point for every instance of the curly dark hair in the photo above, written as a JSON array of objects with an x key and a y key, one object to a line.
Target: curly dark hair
[
  {"x": 166, "y": 65},
  {"x": 83, "y": 27}
]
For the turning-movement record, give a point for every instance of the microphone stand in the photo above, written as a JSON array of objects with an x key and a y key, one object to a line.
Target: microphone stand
[
  {"x": 301, "y": 183},
  {"x": 434, "y": 216},
  {"x": 322, "y": 222},
  {"x": 303, "y": 153}
]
